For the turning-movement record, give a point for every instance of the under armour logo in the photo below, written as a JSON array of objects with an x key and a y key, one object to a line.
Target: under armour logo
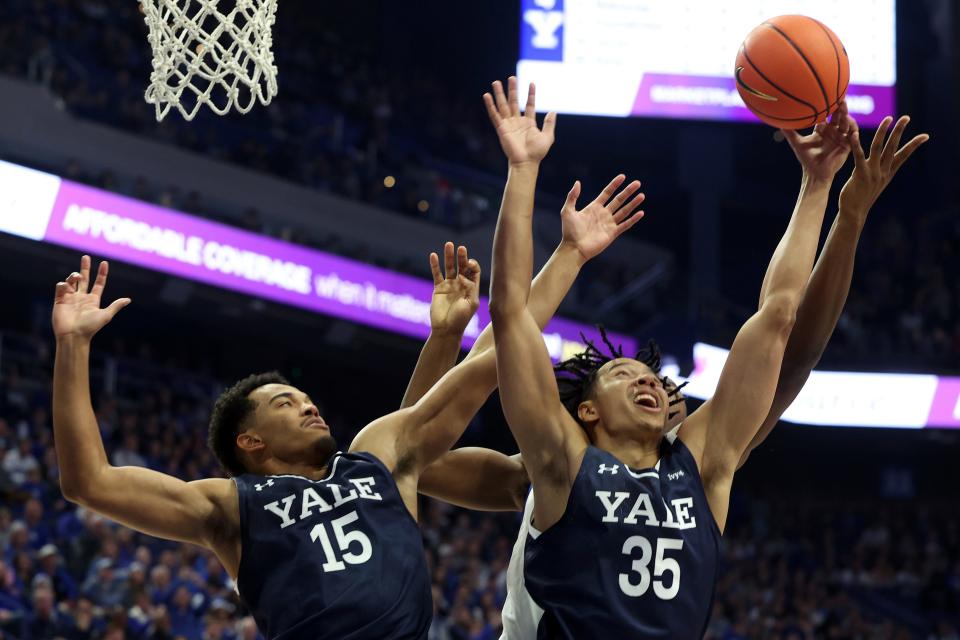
[
  {"x": 261, "y": 487},
  {"x": 612, "y": 469}
]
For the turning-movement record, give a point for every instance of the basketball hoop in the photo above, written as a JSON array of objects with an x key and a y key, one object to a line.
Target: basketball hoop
[{"x": 216, "y": 53}]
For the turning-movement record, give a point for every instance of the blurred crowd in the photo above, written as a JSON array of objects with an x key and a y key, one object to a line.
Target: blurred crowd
[
  {"x": 795, "y": 566},
  {"x": 903, "y": 310}
]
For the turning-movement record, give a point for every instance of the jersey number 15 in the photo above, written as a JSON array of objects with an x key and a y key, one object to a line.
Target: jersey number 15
[{"x": 344, "y": 539}]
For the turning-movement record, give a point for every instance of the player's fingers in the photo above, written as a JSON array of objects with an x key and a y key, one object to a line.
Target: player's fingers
[
  {"x": 854, "y": 128},
  {"x": 624, "y": 194},
  {"x": 61, "y": 290},
  {"x": 792, "y": 137},
  {"x": 904, "y": 154},
  {"x": 435, "y": 268},
  {"x": 530, "y": 110},
  {"x": 492, "y": 112},
  {"x": 604, "y": 197},
  {"x": 857, "y": 148},
  {"x": 627, "y": 211},
  {"x": 473, "y": 270},
  {"x": 116, "y": 305},
  {"x": 84, "y": 273},
  {"x": 101, "y": 280},
  {"x": 462, "y": 259},
  {"x": 893, "y": 142},
  {"x": 449, "y": 261},
  {"x": 627, "y": 224},
  {"x": 74, "y": 281},
  {"x": 512, "y": 96},
  {"x": 500, "y": 98},
  {"x": 572, "y": 196},
  {"x": 550, "y": 123},
  {"x": 844, "y": 121},
  {"x": 879, "y": 136}
]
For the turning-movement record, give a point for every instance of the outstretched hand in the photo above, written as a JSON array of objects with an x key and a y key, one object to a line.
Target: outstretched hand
[
  {"x": 596, "y": 226},
  {"x": 825, "y": 150},
  {"x": 456, "y": 293},
  {"x": 872, "y": 175},
  {"x": 520, "y": 138},
  {"x": 76, "y": 311}
]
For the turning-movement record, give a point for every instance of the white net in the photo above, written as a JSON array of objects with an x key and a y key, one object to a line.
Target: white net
[{"x": 217, "y": 53}]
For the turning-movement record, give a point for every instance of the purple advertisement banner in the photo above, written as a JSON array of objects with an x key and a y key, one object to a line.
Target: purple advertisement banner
[
  {"x": 108, "y": 225},
  {"x": 945, "y": 408},
  {"x": 716, "y": 98}
]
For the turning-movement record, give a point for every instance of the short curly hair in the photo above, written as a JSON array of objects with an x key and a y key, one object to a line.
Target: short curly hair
[
  {"x": 577, "y": 375},
  {"x": 230, "y": 411}
]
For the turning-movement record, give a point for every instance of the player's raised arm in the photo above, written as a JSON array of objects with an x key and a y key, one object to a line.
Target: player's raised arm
[
  {"x": 551, "y": 442},
  {"x": 142, "y": 499},
  {"x": 826, "y": 292},
  {"x": 454, "y": 302},
  {"x": 721, "y": 430},
  {"x": 489, "y": 480}
]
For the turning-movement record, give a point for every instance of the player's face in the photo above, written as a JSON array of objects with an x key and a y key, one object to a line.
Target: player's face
[
  {"x": 628, "y": 393},
  {"x": 290, "y": 424}
]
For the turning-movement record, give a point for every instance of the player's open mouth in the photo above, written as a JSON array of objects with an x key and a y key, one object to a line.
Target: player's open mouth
[{"x": 647, "y": 401}]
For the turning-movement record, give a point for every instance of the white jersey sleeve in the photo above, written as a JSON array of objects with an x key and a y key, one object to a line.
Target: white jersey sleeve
[{"x": 521, "y": 615}]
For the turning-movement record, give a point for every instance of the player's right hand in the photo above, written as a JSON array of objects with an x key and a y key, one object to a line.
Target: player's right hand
[
  {"x": 520, "y": 138},
  {"x": 872, "y": 174},
  {"x": 76, "y": 311},
  {"x": 594, "y": 228}
]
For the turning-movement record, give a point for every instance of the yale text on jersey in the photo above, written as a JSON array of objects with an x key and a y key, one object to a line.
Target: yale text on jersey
[
  {"x": 636, "y": 508},
  {"x": 321, "y": 498}
]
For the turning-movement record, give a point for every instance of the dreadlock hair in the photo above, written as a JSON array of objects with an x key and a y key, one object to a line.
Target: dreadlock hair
[
  {"x": 577, "y": 375},
  {"x": 230, "y": 411}
]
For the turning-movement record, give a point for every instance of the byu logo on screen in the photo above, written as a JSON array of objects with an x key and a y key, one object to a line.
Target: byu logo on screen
[{"x": 542, "y": 30}]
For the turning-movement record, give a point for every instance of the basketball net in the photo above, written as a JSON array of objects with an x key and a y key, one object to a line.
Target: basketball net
[{"x": 216, "y": 53}]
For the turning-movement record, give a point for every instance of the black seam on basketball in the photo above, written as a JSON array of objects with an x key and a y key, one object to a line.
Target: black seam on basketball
[
  {"x": 816, "y": 76},
  {"x": 833, "y": 44},
  {"x": 773, "y": 117},
  {"x": 746, "y": 57}
]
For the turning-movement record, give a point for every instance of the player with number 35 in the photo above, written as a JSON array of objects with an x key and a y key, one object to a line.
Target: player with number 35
[{"x": 627, "y": 518}]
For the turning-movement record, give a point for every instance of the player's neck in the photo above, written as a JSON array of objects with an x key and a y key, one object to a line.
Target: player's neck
[
  {"x": 275, "y": 467},
  {"x": 637, "y": 451}
]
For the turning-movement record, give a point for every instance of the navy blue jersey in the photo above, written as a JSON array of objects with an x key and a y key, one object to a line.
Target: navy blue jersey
[
  {"x": 635, "y": 554},
  {"x": 339, "y": 558}
]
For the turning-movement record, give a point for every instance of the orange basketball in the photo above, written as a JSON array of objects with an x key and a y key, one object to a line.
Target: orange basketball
[{"x": 792, "y": 72}]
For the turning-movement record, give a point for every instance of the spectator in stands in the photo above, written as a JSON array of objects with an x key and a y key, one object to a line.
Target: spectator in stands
[
  {"x": 20, "y": 460},
  {"x": 44, "y": 621}
]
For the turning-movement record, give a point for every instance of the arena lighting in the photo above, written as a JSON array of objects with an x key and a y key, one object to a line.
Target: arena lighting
[
  {"x": 848, "y": 398},
  {"x": 43, "y": 207}
]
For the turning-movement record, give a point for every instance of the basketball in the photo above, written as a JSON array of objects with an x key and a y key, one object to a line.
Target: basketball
[{"x": 792, "y": 71}]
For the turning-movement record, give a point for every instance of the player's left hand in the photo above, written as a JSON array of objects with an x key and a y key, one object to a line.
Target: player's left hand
[
  {"x": 595, "y": 227},
  {"x": 825, "y": 150},
  {"x": 872, "y": 175},
  {"x": 456, "y": 293},
  {"x": 520, "y": 138}
]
